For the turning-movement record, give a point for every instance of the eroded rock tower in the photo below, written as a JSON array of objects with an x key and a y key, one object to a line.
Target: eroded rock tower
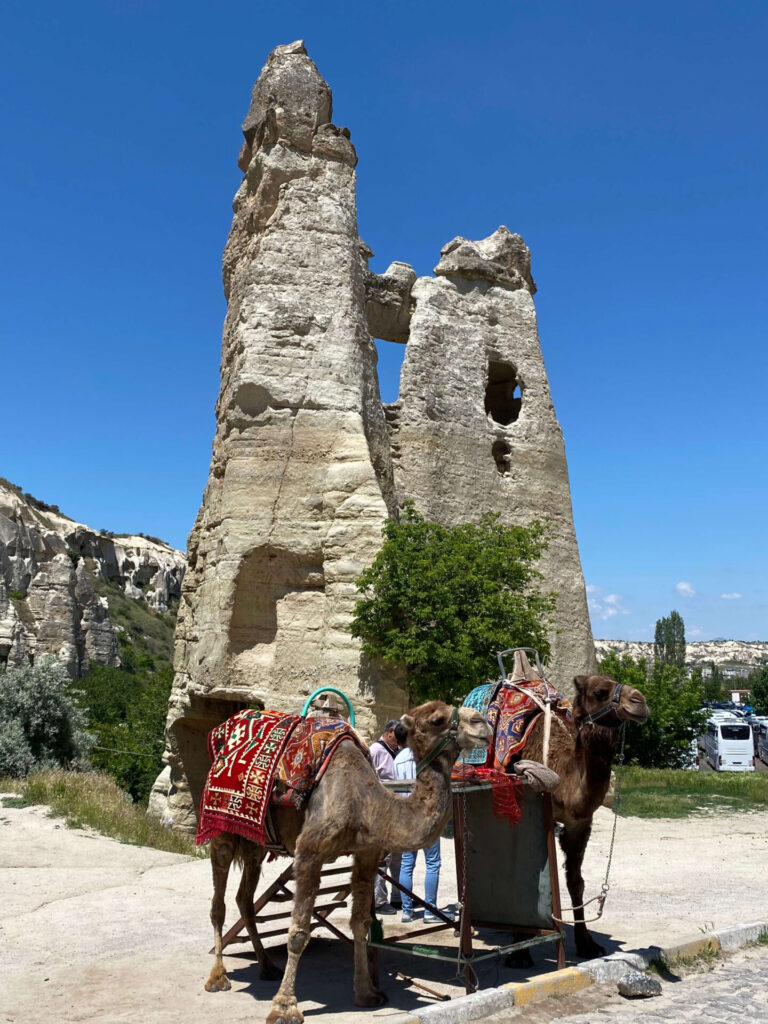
[{"x": 307, "y": 462}]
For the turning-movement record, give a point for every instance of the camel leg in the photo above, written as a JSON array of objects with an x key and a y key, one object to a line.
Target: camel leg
[
  {"x": 573, "y": 841},
  {"x": 252, "y": 861},
  {"x": 222, "y": 852},
  {"x": 363, "y": 877},
  {"x": 306, "y": 873}
]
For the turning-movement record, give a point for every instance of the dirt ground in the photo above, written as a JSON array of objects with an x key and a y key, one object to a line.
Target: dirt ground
[{"x": 94, "y": 930}]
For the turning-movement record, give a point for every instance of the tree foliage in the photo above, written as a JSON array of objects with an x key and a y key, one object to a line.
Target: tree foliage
[
  {"x": 664, "y": 741},
  {"x": 758, "y": 683},
  {"x": 669, "y": 640},
  {"x": 41, "y": 724},
  {"x": 441, "y": 601},
  {"x": 126, "y": 709},
  {"x": 714, "y": 684}
]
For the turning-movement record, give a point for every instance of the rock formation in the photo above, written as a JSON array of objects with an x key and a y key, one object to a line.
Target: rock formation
[
  {"x": 49, "y": 565},
  {"x": 307, "y": 462}
]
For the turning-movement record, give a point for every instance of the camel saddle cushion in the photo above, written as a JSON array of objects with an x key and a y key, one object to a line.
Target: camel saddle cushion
[
  {"x": 512, "y": 714},
  {"x": 263, "y": 756},
  {"x": 511, "y": 711}
]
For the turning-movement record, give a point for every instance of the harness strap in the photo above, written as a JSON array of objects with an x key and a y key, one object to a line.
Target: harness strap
[
  {"x": 615, "y": 699},
  {"x": 441, "y": 743}
]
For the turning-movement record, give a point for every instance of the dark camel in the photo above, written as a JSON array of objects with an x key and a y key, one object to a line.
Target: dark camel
[
  {"x": 582, "y": 753},
  {"x": 349, "y": 811}
]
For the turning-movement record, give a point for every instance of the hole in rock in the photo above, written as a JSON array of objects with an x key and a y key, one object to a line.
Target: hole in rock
[
  {"x": 503, "y": 394},
  {"x": 390, "y": 365},
  {"x": 501, "y": 456}
]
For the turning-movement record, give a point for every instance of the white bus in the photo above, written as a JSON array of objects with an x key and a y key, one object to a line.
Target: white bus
[
  {"x": 728, "y": 745},
  {"x": 761, "y": 741}
]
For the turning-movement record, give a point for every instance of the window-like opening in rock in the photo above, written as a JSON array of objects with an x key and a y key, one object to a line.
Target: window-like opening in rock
[
  {"x": 502, "y": 454},
  {"x": 390, "y": 365},
  {"x": 267, "y": 577},
  {"x": 503, "y": 394}
]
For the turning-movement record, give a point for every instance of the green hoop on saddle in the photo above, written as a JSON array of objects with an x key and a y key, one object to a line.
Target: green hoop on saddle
[{"x": 330, "y": 689}]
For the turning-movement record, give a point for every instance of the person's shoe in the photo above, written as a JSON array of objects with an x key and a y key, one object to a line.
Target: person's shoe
[
  {"x": 430, "y": 918},
  {"x": 407, "y": 917},
  {"x": 386, "y": 909}
]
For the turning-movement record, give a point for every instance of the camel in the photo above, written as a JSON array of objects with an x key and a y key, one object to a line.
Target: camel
[
  {"x": 349, "y": 811},
  {"x": 582, "y": 752}
]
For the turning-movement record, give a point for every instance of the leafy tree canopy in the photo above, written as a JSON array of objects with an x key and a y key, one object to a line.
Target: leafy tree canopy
[
  {"x": 669, "y": 640},
  {"x": 664, "y": 741},
  {"x": 441, "y": 601}
]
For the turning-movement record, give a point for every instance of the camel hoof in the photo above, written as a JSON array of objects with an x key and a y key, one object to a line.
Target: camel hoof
[
  {"x": 218, "y": 980},
  {"x": 589, "y": 949},
  {"x": 376, "y": 998},
  {"x": 522, "y": 959},
  {"x": 287, "y": 1015}
]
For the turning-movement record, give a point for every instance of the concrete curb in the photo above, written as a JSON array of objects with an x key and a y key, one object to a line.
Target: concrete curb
[{"x": 572, "y": 979}]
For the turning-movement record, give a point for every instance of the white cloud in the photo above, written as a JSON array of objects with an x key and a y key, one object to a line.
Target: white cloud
[
  {"x": 604, "y": 606},
  {"x": 694, "y": 631},
  {"x": 685, "y": 589},
  {"x": 730, "y": 597}
]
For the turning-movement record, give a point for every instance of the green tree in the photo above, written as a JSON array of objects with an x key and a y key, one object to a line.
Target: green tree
[
  {"x": 441, "y": 601},
  {"x": 713, "y": 685},
  {"x": 664, "y": 741},
  {"x": 758, "y": 684},
  {"x": 126, "y": 711},
  {"x": 669, "y": 640},
  {"x": 41, "y": 724}
]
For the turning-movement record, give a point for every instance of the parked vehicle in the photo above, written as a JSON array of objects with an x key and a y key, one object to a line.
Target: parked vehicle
[
  {"x": 761, "y": 742},
  {"x": 728, "y": 745}
]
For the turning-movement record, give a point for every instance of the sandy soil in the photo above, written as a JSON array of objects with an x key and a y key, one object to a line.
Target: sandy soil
[{"x": 93, "y": 930}]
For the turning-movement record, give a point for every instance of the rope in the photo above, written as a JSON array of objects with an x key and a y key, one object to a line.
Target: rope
[
  {"x": 605, "y": 887},
  {"x": 133, "y": 753}
]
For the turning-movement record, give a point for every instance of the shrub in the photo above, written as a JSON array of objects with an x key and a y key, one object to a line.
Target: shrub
[{"x": 41, "y": 724}]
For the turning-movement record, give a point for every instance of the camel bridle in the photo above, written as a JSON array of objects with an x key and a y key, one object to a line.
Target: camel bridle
[
  {"x": 441, "y": 742},
  {"x": 613, "y": 705}
]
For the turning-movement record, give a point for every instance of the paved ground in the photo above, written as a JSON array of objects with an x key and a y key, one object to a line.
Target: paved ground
[
  {"x": 733, "y": 991},
  {"x": 93, "y": 930}
]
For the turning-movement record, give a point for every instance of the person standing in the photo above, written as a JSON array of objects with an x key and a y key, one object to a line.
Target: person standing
[
  {"x": 382, "y": 753},
  {"x": 405, "y": 768}
]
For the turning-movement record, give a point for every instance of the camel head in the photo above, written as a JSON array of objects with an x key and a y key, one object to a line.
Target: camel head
[
  {"x": 429, "y": 723},
  {"x": 602, "y": 701}
]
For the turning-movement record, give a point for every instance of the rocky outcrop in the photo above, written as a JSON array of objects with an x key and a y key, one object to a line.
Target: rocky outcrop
[
  {"x": 49, "y": 568},
  {"x": 307, "y": 463},
  {"x": 474, "y": 429},
  {"x": 737, "y": 655},
  {"x": 301, "y": 476}
]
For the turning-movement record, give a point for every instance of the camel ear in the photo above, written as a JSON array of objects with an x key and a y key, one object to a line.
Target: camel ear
[
  {"x": 580, "y": 682},
  {"x": 407, "y": 722}
]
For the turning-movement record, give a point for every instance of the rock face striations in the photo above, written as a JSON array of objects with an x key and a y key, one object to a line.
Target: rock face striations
[
  {"x": 307, "y": 462},
  {"x": 49, "y": 568}
]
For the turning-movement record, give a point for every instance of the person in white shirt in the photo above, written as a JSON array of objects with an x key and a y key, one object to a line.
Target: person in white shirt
[
  {"x": 382, "y": 753},
  {"x": 405, "y": 768}
]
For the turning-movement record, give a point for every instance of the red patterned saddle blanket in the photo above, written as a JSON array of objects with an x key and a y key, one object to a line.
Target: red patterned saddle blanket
[
  {"x": 512, "y": 714},
  {"x": 258, "y": 757}
]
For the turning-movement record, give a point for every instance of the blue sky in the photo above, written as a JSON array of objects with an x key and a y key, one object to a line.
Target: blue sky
[{"x": 625, "y": 142}]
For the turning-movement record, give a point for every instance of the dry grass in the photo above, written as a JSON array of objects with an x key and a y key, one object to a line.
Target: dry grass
[{"x": 93, "y": 799}]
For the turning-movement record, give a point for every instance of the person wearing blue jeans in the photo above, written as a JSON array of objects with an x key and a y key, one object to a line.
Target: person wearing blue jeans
[{"x": 405, "y": 768}]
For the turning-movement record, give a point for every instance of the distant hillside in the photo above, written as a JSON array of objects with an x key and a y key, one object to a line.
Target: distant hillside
[
  {"x": 79, "y": 593},
  {"x": 735, "y": 657}
]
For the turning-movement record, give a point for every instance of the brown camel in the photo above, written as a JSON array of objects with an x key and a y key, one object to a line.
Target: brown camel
[
  {"x": 348, "y": 812},
  {"x": 582, "y": 752}
]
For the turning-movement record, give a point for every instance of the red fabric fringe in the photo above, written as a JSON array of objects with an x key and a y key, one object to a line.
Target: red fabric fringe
[{"x": 503, "y": 787}]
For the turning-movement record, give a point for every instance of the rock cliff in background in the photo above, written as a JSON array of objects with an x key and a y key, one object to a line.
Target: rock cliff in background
[
  {"x": 50, "y": 572},
  {"x": 307, "y": 463}
]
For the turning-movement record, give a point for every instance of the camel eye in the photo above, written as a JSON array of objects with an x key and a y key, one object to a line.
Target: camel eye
[{"x": 601, "y": 694}]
